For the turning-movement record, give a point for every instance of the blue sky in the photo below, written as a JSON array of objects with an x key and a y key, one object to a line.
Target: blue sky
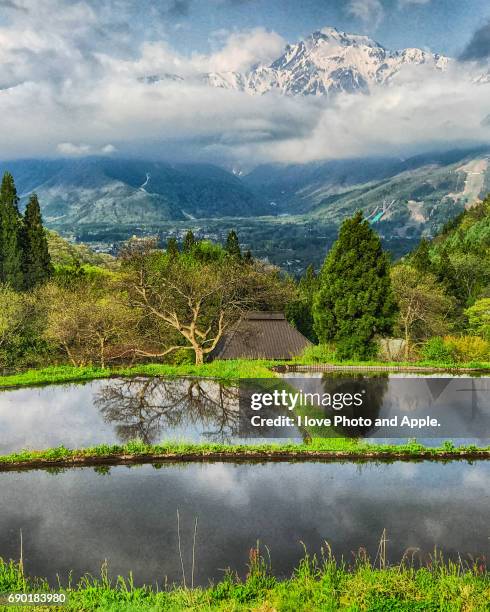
[{"x": 444, "y": 26}]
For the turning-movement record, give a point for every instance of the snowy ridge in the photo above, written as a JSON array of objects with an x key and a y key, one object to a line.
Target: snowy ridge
[{"x": 326, "y": 62}]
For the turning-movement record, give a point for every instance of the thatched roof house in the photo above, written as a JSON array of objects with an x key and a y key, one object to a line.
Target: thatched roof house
[{"x": 261, "y": 335}]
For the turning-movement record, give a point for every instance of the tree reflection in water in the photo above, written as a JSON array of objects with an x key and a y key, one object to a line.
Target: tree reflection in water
[
  {"x": 148, "y": 408},
  {"x": 373, "y": 390}
]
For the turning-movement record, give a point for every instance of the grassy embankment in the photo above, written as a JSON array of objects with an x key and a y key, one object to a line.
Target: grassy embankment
[
  {"x": 325, "y": 585},
  {"x": 319, "y": 448},
  {"x": 223, "y": 370}
]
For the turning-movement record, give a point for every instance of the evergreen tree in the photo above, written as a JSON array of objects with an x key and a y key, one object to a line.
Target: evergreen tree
[
  {"x": 172, "y": 247},
  {"x": 10, "y": 239},
  {"x": 189, "y": 242},
  {"x": 247, "y": 258},
  {"x": 446, "y": 275},
  {"x": 354, "y": 302},
  {"x": 420, "y": 259},
  {"x": 300, "y": 311},
  {"x": 36, "y": 261},
  {"x": 232, "y": 246}
]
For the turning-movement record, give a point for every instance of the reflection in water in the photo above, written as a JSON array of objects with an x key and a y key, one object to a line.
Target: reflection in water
[
  {"x": 76, "y": 519},
  {"x": 145, "y": 408},
  {"x": 372, "y": 389}
]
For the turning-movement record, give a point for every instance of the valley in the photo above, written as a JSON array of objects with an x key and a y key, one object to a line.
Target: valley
[{"x": 288, "y": 214}]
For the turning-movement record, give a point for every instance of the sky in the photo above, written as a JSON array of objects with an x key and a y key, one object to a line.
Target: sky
[{"x": 72, "y": 79}]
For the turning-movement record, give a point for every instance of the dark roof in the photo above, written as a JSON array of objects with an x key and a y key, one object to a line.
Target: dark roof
[{"x": 261, "y": 335}]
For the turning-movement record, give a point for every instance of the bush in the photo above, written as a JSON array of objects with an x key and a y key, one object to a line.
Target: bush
[
  {"x": 317, "y": 353},
  {"x": 435, "y": 349},
  {"x": 468, "y": 348},
  {"x": 454, "y": 349}
]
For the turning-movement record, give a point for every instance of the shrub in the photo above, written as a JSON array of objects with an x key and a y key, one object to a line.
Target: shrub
[
  {"x": 317, "y": 353},
  {"x": 454, "y": 349},
  {"x": 468, "y": 348},
  {"x": 435, "y": 349}
]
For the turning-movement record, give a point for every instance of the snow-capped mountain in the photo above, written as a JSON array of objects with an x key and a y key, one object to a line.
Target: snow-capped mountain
[{"x": 326, "y": 62}]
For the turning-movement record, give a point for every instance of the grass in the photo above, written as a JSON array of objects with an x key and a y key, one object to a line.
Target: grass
[
  {"x": 223, "y": 370},
  {"x": 317, "y": 448},
  {"x": 317, "y": 584}
]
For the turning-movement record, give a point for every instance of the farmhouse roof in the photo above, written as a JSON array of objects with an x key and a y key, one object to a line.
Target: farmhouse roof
[{"x": 261, "y": 335}]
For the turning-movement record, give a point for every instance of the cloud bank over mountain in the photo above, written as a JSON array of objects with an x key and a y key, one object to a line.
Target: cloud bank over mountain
[{"x": 77, "y": 78}]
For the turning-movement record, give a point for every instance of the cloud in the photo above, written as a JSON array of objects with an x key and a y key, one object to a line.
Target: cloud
[
  {"x": 404, "y": 3},
  {"x": 370, "y": 12},
  {"x": 240, "y": 50},
  {"x": 72, "y": 86},
  {"x": 478, "y": 47},
  {"x": 79, "y": 150}
]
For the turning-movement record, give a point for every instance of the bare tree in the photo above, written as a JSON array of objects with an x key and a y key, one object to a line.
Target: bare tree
[
  {"x": 197, "y": 295},
  {"x": 144, "y": 408}
]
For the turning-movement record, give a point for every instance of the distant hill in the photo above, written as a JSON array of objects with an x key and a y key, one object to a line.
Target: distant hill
[{"x": 113, "y": 191}]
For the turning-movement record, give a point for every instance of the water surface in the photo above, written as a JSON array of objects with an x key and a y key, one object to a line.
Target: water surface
[{"x": 76, "y": 519}]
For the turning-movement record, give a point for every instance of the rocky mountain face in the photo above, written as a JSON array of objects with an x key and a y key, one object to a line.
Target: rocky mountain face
[{"x": 325, "y": 63}]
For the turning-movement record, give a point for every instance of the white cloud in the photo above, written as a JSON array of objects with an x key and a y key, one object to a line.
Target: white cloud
[
  {"x": 370, "y": 12},
  {"x": 66, "y": 91},
  {"x": 403, "y": 3},
  {"x": 79, "y": 150},
  {"x": 242, "y": 49}
]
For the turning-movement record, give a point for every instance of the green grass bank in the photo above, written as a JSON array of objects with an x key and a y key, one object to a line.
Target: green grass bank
[
  {"x": 223, "y": 370},
  {"x": 328, "y": 449},
  {"x": 323, "y": 584}
]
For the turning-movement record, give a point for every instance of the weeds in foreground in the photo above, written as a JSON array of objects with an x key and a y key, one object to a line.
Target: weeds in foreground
[{"x": 322, "y": 583}]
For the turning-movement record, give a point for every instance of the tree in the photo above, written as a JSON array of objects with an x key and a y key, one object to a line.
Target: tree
[
  {"x": 446, "y": 274},
  {"x": 355, "y": 301},
  {"x": 479, "y": 318},
  {"x": 300, "y": 312},
  {"x": 196, "y": 296},
  {"x": 232, "y": 246},
  {"x": 424, "y": 307},
  {"x": 420, "y": 259},
  {"x": 172, "y": 247},
  {"x": 189, "y": 242},
  {"x": 89, "y": 322},
  {"x": 10, "y": 240},
  {"x": 11, "y": 319},
  {"x": 247, "y": 258},
  {"x": 36, "y": 261}
]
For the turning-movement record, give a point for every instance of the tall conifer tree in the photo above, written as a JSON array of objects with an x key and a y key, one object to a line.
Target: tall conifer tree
[
  {"x": 232, "y": 245},
  {"x": 355, "y": 301},
  {"x": 36, "y": 261},
  {"x": 10, "y": 238},
  {"x": 172, "y": 247},
  {"x": 189, "y": 242}
]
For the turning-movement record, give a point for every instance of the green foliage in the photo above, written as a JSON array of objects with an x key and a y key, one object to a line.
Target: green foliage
[
  {"x": 435, "y": 349},
  {"x": 479, "y": 318},
  {"x": 172, "y": 247},
  {"x": 468, "y": 348},
  {"x": 10, "y": 234},
  {"x": 232, "y": 246},
  {"x": 189, "y": 242},
  {"x": 318, "y": 353},
  {"x": 324, "y": 584},
  {"x": 36, "y": 260},
  {"x": 299, "y": 312},
  {"x": 459, "y": 258},
  {"x": 420, "y": 259},
  {"x": 355, "y": 301}
]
